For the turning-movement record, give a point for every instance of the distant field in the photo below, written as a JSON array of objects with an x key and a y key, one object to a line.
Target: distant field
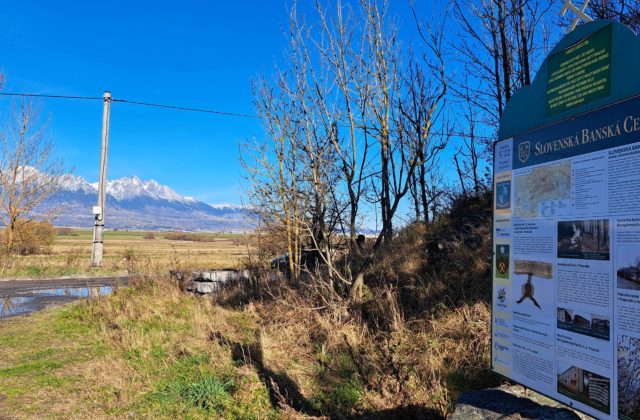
[{"x": 128, "y": 250}]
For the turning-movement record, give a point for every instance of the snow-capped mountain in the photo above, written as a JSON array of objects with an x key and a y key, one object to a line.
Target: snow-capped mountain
[
  {"x": 125, "y": 188},
  {"x": 133, "y": 203},
  {"x": 128, "y": 188}
]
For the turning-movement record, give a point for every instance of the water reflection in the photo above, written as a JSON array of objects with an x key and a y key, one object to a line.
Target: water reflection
[
  {"x": 27, "y": 301},
  {"x": 77, "y": 292},
  {"x": 15, "y": 305}
]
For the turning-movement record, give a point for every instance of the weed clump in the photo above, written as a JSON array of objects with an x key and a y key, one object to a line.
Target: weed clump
[{"x": 209, "y": 393}]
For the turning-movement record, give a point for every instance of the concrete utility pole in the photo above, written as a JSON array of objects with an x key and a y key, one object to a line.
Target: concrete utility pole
[{"x": 98, "y": 211}]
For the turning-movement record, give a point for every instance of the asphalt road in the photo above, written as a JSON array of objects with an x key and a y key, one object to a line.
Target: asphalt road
[{"x": 21, "y": 297}]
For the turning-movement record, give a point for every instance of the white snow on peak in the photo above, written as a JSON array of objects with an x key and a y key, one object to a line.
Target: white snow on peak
[
  {"x": 226, "y": 206},
  {"x": 128, "y": 188},
  {"x": 77, "y": 183},
  {"x": 134, "y": 187}
]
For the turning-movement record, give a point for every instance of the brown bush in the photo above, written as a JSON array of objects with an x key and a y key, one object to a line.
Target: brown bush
[
  {"x": 149, "y": 235},
  {"x": 66, "y": 231},
  {"x": 187, "y": 236},
  {"x": 29, "y": 237}
]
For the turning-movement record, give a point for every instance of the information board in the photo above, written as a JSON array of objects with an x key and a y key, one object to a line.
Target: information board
[
  {"x": 580, "y": 74},
  {"x": 566, "y": 266}
]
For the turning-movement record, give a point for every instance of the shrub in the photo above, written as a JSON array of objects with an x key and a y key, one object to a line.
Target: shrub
[
  {"x": 149, "y": 235},
  {"x": 187, "y": 236},
  {"x": 66, "y": 231},
  {"x": 29, "y": 237}
]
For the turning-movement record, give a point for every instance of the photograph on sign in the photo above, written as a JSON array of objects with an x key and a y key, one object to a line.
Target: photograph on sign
[
  {"x": 598, "y": 326},
  {"x": 584, "y": 386},
  {"x": 584, "y": 239},
  {"x": 528, "y": 272},
  {"x": 628, "y": 255}
]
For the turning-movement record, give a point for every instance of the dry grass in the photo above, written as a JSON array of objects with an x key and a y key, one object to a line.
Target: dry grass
[
  {"x": 420, "y": 338},
  {"x": 70, "y": 255},
  {"x": 345, "y": 367}
]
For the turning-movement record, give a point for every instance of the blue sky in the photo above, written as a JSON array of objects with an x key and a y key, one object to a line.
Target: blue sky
[
  {"x": 198, "y": 54},
  {"x": 191, "y": 53}
]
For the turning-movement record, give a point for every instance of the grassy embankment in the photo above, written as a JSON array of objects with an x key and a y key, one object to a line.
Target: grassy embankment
[
  {"x": 420, "y": 338},
  {"x": 144, "y": 350},
  {"x": 70, "y": 255}
]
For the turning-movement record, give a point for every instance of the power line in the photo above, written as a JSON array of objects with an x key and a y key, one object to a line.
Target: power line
[
  {"x": 200, "y": 110},
  {"x": 97, "y": 98},
  {"x": 41, "y": 95},
  {"x": 182, "y": 108}
]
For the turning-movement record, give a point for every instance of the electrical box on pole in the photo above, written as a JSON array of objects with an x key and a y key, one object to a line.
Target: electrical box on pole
[{"x": 98, "y": 227}]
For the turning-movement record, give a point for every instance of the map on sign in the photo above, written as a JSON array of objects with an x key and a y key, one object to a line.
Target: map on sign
[{"x": 550, "y": 183}]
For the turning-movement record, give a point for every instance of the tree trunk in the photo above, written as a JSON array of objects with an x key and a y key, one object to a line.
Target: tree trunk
[
  {"x": 357, "y": 288},
  {"x": 506, "y": 62},
  {"x": 385, "y": 201},
  {"x": 525, "y": 48}
]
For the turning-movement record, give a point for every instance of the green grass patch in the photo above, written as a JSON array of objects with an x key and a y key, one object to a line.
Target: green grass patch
[
  {"x": 209, "y": 393},
  {"x": 345, "y": 397}
]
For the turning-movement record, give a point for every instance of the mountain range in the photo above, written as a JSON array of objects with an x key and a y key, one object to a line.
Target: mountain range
[{"x": 136, "y": 204}]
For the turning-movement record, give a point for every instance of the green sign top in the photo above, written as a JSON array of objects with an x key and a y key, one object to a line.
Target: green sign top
[
  {"x": 580, "y": 74},
  {"x": 595, "y": 65}
]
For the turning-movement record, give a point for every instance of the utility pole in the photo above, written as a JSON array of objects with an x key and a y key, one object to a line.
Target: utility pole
[{"x": 98, "y": 211}]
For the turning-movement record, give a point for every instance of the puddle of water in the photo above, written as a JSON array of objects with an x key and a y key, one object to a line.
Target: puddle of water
[
  {"x": 77, "y": 292},
  {"x": 27, "y": 301},
  {"x": 14, "y": 306}
]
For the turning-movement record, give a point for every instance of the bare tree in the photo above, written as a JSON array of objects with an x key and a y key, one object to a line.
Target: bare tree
[
  {"x": 29, "y": 172},
  {"x": 626, "y": 12},
  {"x": 498, "y": 42},
  {"x": 350, "y": 112},
  {"x": 402, "y": 109},
  {"x": 342, "y": 53}
]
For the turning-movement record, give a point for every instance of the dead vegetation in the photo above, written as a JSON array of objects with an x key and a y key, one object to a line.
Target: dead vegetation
[
  {"x": 187, "y": 236},
  {"x": 69, "y": 254},
  {"x": 28, "y": 237},
  {"x": 419, "y": 338}
]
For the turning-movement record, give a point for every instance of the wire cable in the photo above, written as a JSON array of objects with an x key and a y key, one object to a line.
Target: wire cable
[
  {"x": 200, "y": 110},
  {"x": 41, "y": 95},
  {"x": 183, "y": 108}
]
